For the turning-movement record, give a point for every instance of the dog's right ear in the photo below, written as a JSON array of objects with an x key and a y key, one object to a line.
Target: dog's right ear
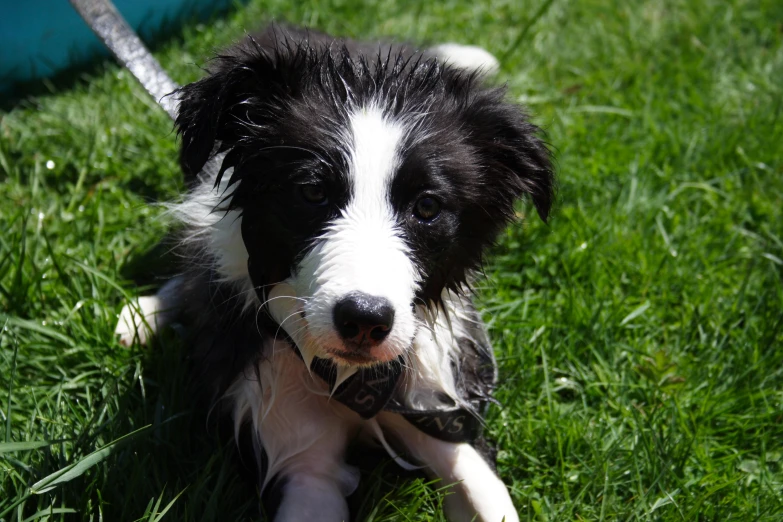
[{"x": 216, "y": 111}]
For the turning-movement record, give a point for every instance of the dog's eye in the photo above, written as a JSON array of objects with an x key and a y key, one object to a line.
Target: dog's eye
[
  {"x": 427, "y": 208},
  {"x": 314, "y": 193}
]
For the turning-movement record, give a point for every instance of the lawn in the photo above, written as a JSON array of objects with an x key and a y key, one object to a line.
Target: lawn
[{"x": 639, "y": 333}]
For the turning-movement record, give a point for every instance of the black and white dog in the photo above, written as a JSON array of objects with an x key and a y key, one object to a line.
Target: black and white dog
[{"x": 341, "y": 196}]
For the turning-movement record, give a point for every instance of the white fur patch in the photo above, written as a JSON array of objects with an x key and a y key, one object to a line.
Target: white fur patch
[
  {"x": 362, "y": 250},
  {"x": 468, "y": 57},
  {"x": 226, "y": 250},
  {"x": 435, "y": 354}
]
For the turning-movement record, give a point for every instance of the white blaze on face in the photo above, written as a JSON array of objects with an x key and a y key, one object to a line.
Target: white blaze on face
[{"x": 362, "y": 251}]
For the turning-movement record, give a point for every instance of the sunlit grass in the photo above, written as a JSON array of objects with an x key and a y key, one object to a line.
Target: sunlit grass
[{"x": 639, "y": 334}]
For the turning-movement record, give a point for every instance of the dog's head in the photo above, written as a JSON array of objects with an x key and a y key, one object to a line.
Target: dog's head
[{"x": 367, "y": 187}]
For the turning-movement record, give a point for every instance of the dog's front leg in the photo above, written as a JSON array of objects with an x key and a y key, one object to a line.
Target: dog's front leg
[
  {"x": 476, "y": 493},
  {"x": 309, "y": 496},
  {"x": 304, "y": 435}
]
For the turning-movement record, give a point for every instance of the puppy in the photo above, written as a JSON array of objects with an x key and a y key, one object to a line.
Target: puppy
[{"x": 340, "y": 198}]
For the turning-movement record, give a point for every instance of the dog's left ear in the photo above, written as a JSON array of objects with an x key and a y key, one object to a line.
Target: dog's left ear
[
  {"x": 511, "y": 149},
  {"x": 214, "y": 111}
]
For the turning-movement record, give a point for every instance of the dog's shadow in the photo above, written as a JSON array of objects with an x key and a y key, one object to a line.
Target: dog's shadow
[
  {"x": 190, "y": 451},
  {"x": 184, "y": 452}
]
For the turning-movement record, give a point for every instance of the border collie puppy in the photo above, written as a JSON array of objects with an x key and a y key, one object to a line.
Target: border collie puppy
[{"x": 341, "y": 196}]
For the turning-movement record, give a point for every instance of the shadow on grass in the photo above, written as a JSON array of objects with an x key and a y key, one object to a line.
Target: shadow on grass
[{"x": 186, "y": 450}]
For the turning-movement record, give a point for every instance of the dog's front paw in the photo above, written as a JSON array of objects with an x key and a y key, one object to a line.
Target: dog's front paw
[{"x": 139, "y": 321}]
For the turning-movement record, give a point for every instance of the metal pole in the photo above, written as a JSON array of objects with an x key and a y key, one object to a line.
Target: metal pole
[{"x": 109, "y": 25}]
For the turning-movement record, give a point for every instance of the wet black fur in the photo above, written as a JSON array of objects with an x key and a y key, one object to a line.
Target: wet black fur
[{"x": 275, "y": 105}]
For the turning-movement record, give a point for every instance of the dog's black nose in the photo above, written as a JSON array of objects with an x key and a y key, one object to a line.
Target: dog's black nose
[{"x": 359, "y": 317}]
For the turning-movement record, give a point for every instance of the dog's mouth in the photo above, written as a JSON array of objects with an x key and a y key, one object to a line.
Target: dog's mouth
[
  {"x": 361, "y": 358},
  {"x": 353, "y": 358}
]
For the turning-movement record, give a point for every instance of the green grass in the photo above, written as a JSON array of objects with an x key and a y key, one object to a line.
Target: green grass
[{"x": 639, "y": 334}]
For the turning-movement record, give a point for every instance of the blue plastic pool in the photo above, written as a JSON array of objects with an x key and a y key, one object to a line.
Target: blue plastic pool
[{"x": 39, "y": 38}]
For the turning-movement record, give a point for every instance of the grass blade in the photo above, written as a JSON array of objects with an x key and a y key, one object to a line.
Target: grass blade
[
  {"x": 636, "y": 313},
  {"x": 47, "y": 512},
  {"x": 38, "y": 328},
  {"x": 76, "y": 469},
  {"x": 523, "y": 33},
  {"x": 10, "y": 447},
  {"x": 157, "y": 517}
]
